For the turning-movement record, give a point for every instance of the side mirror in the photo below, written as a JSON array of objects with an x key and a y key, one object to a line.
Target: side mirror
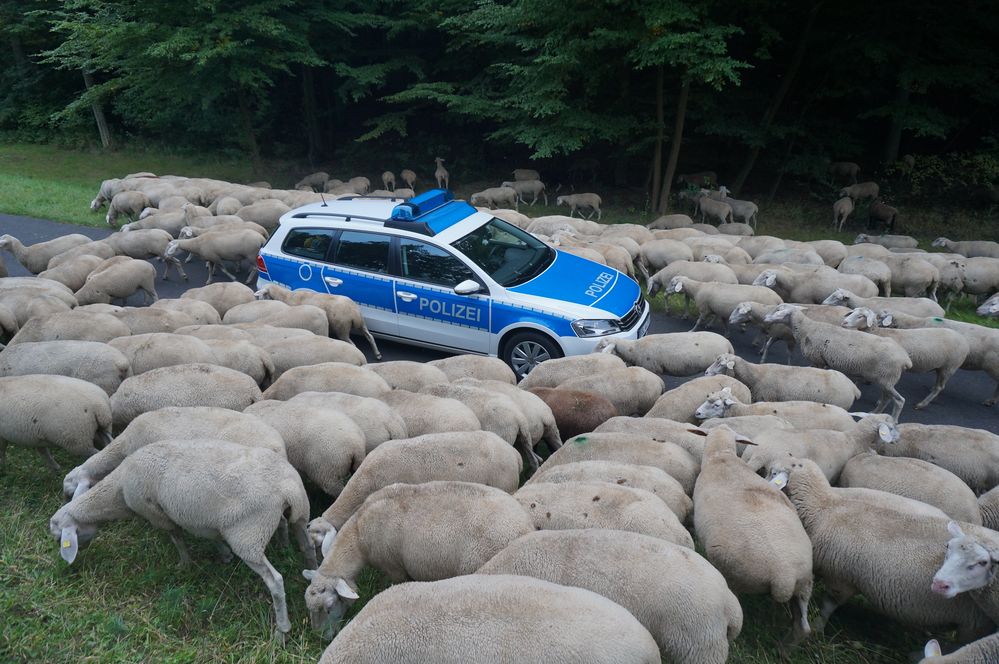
[{"x": 467, "y": 287}]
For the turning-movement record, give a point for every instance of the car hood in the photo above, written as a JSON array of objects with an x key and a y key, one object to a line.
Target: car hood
[{"x": 583, "y": 287}]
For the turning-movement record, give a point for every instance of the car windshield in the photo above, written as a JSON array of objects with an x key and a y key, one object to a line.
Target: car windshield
[{"x": 509, "y": 255}]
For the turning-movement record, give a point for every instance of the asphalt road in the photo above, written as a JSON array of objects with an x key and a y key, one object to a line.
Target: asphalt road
[{"x": 959, "y": 403}]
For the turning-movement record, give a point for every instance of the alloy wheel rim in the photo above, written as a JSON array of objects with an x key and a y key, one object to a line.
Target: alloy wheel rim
[{"x": 526, "y": 355}]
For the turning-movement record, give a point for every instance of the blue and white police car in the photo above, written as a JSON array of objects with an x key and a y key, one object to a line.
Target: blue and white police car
[{"x": 436, "y": 272}]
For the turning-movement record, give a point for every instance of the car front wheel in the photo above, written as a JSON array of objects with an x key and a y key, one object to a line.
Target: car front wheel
[{"x": 526, "y": 350}]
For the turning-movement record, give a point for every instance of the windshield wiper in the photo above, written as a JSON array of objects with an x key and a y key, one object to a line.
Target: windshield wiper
[{"x": 538, "y": 267}]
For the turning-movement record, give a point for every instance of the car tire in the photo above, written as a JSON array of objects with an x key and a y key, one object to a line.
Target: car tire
[{"x": 525, "y": 350}]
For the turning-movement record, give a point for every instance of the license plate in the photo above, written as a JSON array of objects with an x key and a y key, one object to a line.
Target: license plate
[{"x": 644, "y": 327}]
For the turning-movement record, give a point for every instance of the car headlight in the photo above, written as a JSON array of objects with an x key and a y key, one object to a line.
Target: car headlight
[{"x": 595, "y": 328}]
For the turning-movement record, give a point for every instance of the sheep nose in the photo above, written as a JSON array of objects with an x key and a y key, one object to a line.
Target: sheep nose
[{"x": 940, "y": 587}]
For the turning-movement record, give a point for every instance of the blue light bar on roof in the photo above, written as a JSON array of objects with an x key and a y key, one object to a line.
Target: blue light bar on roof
[{"x": 421, "y": 205}]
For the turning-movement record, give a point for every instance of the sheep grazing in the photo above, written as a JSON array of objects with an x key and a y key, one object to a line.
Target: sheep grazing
[
  {"x": 889, "y": 561},
  {"x": 495, "y": 197},
  {"x": 477, "y": 456},
  {"x": 314, "y": 181},
  {"x": 201, "y": 313},
  {"x": 146, "y": 352},
  {"x": 581, "y": 202},
  {"x": 119, "y": 278},
  {"x": 575, "y": 411},
  {"x": 732, "y": 506},
  {"x": 376, "y": 419},
  {"x": 716, "y": 210},
  {"x": 388, "y": 180},
  {"x": 342, "y": 313},
  {"x": 931, "y": 349},
  {"x": 35, "y": 258},
  {"x": 419, "y": 532},
  {"x": 773, "y": 382},
  {"x": 311, "y": 349},
  {"x": 43, "y": 411},
  {"x": 216, "y": 247},
  {"x": 327, "y": 377},
  {"x": 175, "y": 485},
  {"x": 576, "y": 505},
  {"x": 409, "y": 177},
  {"x": 969, "y": 248},
  {"x": 881, "y": 213},
  {"x": 656, "y": 586},
  {"x": 440, "y": 174},
  {"x": 534, "y": 188},
  {"x": 425, "y": 413},
  {"x": 128, "y": 203},
  {"x": 677, "y": 354},
  {"x": 861, "y": 191},
  {"x": 542, "y": 426},
  {"x": 844, "y": 169},
  {"x": 91, "y": 361},
  {"x": 492, "y": 619},
  {"x": 880, "y": 361}
]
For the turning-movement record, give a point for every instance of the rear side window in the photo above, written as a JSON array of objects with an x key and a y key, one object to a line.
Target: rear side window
[
  {"x": 364, "y": 251},
  {"x": 424, "y": 262},
  {"x": 311, "y": 243}
]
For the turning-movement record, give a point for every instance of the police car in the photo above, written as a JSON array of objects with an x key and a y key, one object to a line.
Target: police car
[{"x": 436, "y": 272}]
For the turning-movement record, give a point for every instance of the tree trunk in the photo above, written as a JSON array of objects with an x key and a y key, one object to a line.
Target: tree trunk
[
  {"x": 309, "y": 108},
  {"x": 674, "y": 149},
  {"x": 657, "y": 154},
  {"x": 249, "y": 137},
  {"x": 20, "y": 62},
  {"x": 95, "y": 106},
  {"x": 778, "y": 98},
  {"x": 894, "y": 139}
]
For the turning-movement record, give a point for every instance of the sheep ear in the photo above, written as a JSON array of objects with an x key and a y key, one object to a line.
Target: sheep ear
[
  {"x": 872, "y": 318},
  {"x": 739, "y": 438},
  {"x": 954, "y": 529},
  {"x": 69, "y": 546},
  {"x": 328, "y": 542},
  {"x": 609, "y": 348},
  {"x": 730, "y": 364},
  {"x": 309, "y": 574},
  {"x": 345, "y": 591},
  {"x": 859, "y": 415},
  {"x": 697, "y": 431},
  {"x": 932, "y": 649},
  {"x": 81, "y": 488}
]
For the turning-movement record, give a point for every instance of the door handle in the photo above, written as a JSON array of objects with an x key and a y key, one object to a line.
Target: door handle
[
  {"x": 406, "y": 296},
  {"x": 333, "y": 281}
]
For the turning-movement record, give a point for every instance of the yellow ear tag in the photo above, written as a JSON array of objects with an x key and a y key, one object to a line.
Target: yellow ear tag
[{"x": 66, "y": 544}]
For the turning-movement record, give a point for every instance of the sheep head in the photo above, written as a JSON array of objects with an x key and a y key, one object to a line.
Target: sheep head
[
  {"x": 860, "y": 318},
  {"x": 328, "y": 599},
  {"x": 605, "y": 346},
  {"x": 989, "y": 308},
  {"x": 319, "y": 529},
  {"x": 839, "y": 296},
  {"x": 861, "y": 238},
  {"x": 71, "y": 535},
  {"x": 782, "y": 314},
  {"x": 6, "y": 242},
  {"x": 722, "y": 365},
  {"x": 715, "y": 405},
  {"x": 940, "y": 242},
  {"x": 171, "y": 249},
  {"x": 970, "y": 563},
  {"x": 741, "y": 314},
  {"x": 676, "y": 285},
  {"x": 766, "y": 278},
  {"x": 76, "y": 482}
]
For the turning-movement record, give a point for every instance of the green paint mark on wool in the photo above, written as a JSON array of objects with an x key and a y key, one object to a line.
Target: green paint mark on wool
[{"x": 580, "y": 440}]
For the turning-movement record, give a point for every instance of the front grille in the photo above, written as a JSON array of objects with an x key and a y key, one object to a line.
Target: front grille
[{"x": 630, "y": 319}]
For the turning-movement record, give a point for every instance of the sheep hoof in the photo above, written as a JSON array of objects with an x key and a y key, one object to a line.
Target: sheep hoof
[
  {"x": 989, "y": 402},
  {"x": 280, "y": 638}
]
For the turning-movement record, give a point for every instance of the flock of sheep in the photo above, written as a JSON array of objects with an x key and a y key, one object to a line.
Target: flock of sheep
[{"x": 205, "y": 414}]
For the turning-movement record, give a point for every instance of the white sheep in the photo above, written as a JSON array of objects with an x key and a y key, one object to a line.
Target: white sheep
[
  {"x": 710, "y": 208},
  {"x": 409, "y": 177},
  {"x": 814, "y": 286},
  {"x": 914, "y": 306},
  {"x": 77, "y": 325},
  {"x": 425, "y": 413},
  {"x": 496, "y": 197},
  {"x": 842, "y": 209},
  {"x": 222, "y": 296},
  {"x": 73, "y": 273},
  {"x": 408, "y": 375},
  {"x": 441, "y": 174},
  {"x": 981, "y": 651},
  {"x": 989, "y": 308},
  {"x": 632, "y": 390},
  {"x": 91, "y": 361},
  {"x": 802, "y": 414},
  {"x": 888, "y": 241},
  {"x": 971, "y": 454},
  {"x": 327, "y": 377},
  {"x": 176, "y": 485},
  {"x": 680, "y": 403},
  {"x": 388, "y": 180},
  {"x": 201, "y": 313},
  {"x": 35, "y": 258},
  {"x": 773, "y": 382},
  {"x": 969, "y": 248},
  {"x": 128, "y": 203},
  {"x": 218, "y": 246},
  {"x": 524, "y": 187},
  {"x": 981, "y": 275},
  {"x": 716, "y": 300},
  {"x": 875, "y": 270},
  {"x": 118, "y": 277},
  {"x": 587, "y": 201},
  {"x": 375, "y": 418},
  {"x": 311, "y": 349},
  {"x": 146, "y": 352},
  {"x": 420, "y": 532},
  {"x": 861, "y": 191},
  {"x": 732, "y": 507},
  {"x": 676, "y": 354},
  {"x": 491, "y": 619}
]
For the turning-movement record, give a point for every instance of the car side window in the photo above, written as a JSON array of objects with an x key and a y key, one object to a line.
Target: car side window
[
  {"x": 425, "y": 262},
  {"x": 364, "y": 251},
  {"x": 308, "y": 243}
]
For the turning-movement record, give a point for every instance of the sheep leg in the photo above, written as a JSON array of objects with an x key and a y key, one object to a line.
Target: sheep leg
[
  {"x": 697, "y": 325},
  {"x": 227, "y": 272},
  {"x": 304, "y": 544},
  {"x": 766, "y": 349},
  {"x": 799, "y": 620},
  {"x": 211, "y": 271},
  {"x": 282, "y": 533},
  {"x": 838, "y": 594},
  {"x": 371, "y": 341},
  {"x": 899, "y": 401},
  {"x": 49, "y": 461},
  {"x": 552, "y": 437},
  {"x": 943, "y": 375},
  {"x": 225, "y": 553},
  {"x": 178, "y": 541},
  {"x": 987, "y": 402},
  {"x": 275, "y": 584}
]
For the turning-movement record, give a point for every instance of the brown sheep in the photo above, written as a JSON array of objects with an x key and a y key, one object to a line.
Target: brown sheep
[{"x": 575, "y": 411}]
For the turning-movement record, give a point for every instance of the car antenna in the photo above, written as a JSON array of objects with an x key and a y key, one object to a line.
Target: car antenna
[{"x": 323, "y": 199}]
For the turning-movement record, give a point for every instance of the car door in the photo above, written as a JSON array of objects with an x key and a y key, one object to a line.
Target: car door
[
  {"x": 300, "y": 262},
  {"x": 359, "y": 269},
  {"x": 429, "y": 309}
]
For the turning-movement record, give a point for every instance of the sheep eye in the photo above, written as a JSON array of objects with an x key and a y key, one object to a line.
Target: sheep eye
[{"x": 983, "y": 563}]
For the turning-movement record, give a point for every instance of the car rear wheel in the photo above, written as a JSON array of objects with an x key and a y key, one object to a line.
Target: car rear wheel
[{"x": 526, "y": 350}]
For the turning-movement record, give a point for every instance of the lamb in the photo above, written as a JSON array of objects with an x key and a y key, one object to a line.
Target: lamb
[
  {"x": 128, "y": 203},
  {"x": 475, "y": 366},
  {"x": 880, "y": 361},
  {"x": 190, "y": 423},
  {"x": 915, "y": 479},
  {"x": 119, "y": 277},
  {"x": 422, "y": 532},
  {"x": 773, "y": 382},
  {"x": 680, "y": 403},
  {"x": 35, "y": 258},
  {"x": 931, "y": 349},
  {"x": 875, "y": 270},
  {"x": 441, "y": 174},
  {"x": 219, "y": 246},
  {"x": 719, "y": 300},
  {"x": 632, "y": 390},
  {"x": 914, "y": 306},
  {"x": 73, "y": 274},
  {"x": 470, "y": 456},
  {"x": 376, "y": 419},
  {"x": 323, "y": 445},
  {"x": 342, "y": 313},
  {"x": 983, "y": 342},
  {"x": 842, "y": 209},
  {"x": 409, "y": 177},
  {"x": 844, "y": 169},
  {"x": 629, "y": 448},
  {"x": 971, "y": 454},
  {"x": 585, "y": 201},
  {"x": 575, "y": 505},
  {"x": 201, "y": 313},
  {"x": 182, "y": 385},
  {"x": 91, "y": 361},
  {"x": 43, "y": 411},
  {"x": 175, "y": 485},
  {"x": 327, "y": 377},
  {"x": 802, "y": 414},
  {"x": 388, "y": 180},
  {"x": 145, "y": 352},
  {"x": 575, "y": 411},
  {"x": 710, "y": 208},
  {"x": 881, "y": 212},
  {"x": 70, "y": 325},
  {"x": 524, "y": 187},
  {"x": 496, "y": 197},
  {"x": 889, "y": 562},
  {"x": 587, "y": 559},
  {"x": 861, "y": 191},
  {"x": 969, "y": 248},
  {"x": 646, "y": 478},
  {"x": 459, "y": 621},
  {"x": 732, "y": 505},
  {"x": 425, "y": 413},
  {"x": 889, "y": 241}
]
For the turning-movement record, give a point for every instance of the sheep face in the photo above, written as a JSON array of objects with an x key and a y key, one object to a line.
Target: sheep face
[
  {"x": 940, "y": 242},
  {"x": 989, "y": 308},
  {"x": 70, "y": 535},
  {"x": 781, "y": 314},
  {"x": 715, "y": 405},
  {"x": 766, "y": 278},
  {"x": 741, "y": 314},
  {"x": 860, "y": 318},
  {"x": 97, "y": 203},
  {"x": 328, "y": 599},
  {"x": 318, "y": 529},
  {"x": 560, "y": 200},
  {"x": 605, "y": 346},
  {"x": 5, "y": 242},
  {"x": 967, "y": 565},
  {"x": 723, "y": 365},
  {"x": 838, "y": 297},
  {"x": 861, "y": 239},
  {"x": 171, "y": 249}
]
